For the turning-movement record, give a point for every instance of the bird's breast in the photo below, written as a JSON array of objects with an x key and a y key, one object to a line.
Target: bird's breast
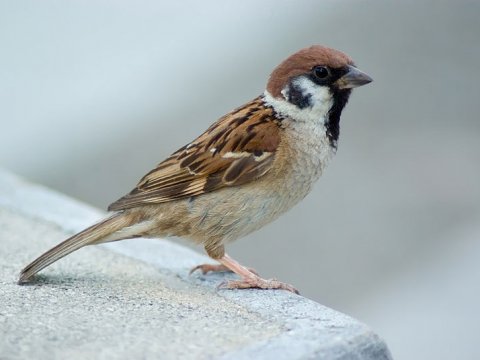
[
  {"x": 307, "y": 151},
  {"x": 233, "y": 212}
]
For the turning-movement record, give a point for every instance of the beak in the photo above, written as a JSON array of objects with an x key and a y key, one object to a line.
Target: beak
[{"x": 353, "y": 78}]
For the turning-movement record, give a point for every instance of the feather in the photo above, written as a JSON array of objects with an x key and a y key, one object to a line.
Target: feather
[{"x": 238, "y": 148}]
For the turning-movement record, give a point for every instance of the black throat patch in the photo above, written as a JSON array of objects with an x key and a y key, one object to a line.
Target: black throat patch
[
  {"x": 332, "y": 123},
  {"x": 302, "y": 100}
]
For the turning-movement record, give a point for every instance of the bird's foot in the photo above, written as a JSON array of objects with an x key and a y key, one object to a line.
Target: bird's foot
[
  {"x": 206, "y": 268},
  {"x": 249, "y": 277},
  {"x": 257, "y": 283}
]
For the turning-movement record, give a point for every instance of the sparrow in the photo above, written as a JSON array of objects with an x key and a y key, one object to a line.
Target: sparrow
[{"x": 244, "y": 171}]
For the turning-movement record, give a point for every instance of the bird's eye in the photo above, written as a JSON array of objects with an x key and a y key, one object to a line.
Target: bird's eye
[{"x": 320, "y": 72}]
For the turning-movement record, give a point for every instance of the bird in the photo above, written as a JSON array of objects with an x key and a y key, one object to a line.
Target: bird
[{"x": 249, "y": 167}]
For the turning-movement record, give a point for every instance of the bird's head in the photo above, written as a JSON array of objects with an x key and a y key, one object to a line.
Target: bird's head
[{"x": 314, "y": 84}]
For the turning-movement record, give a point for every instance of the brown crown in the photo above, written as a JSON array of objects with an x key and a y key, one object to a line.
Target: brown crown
[{"x": 302, "y": 62}]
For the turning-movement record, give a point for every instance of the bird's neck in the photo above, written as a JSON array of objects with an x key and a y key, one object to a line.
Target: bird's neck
[{"x": 322, "y": 115}]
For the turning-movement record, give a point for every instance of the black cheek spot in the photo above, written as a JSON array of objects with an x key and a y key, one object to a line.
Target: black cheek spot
[{"x": 297, "y": 98}]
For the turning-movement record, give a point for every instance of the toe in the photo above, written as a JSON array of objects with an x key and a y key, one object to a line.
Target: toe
[
  {"x": 257, "y": 283},
  {"x": 206, "y": 268}
]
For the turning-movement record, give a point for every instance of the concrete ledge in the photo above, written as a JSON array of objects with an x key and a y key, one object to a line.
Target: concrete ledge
[{"x": 135, "y": 299}]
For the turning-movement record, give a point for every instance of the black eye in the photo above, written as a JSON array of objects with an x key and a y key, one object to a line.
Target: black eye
[{"x": 320, "y": 72}]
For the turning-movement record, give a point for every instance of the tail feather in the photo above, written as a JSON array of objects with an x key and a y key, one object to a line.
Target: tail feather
[{"x": 103, "y": 231}]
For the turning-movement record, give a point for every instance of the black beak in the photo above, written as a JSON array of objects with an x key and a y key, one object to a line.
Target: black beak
[{"x": 353, "y": 78}]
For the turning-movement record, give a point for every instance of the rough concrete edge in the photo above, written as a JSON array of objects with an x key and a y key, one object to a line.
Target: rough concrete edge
[{"x": 307, "y": 323}]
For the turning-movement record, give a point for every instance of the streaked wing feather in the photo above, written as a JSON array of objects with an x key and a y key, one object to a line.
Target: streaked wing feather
[{"x": 238, "y": 148}]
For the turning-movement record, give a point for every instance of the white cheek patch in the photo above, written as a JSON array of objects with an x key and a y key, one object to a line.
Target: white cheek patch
[{"x": 320, "y": 97}]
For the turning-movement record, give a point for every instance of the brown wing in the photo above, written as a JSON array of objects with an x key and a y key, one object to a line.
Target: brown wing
[{"x": 238, "y": 148}]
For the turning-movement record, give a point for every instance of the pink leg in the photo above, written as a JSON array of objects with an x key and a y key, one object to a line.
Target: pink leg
[
  {"x": 206, "y": 268},
  {"x": 249, "y": 279}
]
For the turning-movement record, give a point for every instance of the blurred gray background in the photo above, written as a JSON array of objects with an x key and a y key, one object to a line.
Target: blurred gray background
[{"x": 94, "y": 93}]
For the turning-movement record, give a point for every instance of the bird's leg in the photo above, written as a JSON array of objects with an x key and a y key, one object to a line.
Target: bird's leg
[
  {"x": 216, "y": 250},
  {"x": 216, "y": 268},
  {"x": 249, "y": 279},
  {"x": 206, "y": 268}
]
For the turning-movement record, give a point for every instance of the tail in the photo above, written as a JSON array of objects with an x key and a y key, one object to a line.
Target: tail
[{"x": 104, "y": 231}]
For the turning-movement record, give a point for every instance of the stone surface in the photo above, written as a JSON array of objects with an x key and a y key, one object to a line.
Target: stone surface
[{"x": 135, "y": 299}]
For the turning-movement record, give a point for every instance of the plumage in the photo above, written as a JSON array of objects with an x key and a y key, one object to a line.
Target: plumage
[
  {"x": 243, "y": 172},
  {"x": 209, "y": 163}
]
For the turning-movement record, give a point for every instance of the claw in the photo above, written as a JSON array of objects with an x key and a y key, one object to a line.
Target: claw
[
  {"x": 206, "y": 268},
  {"x": 257, "y": 283},
  {"x": 249, "y": 277}
]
